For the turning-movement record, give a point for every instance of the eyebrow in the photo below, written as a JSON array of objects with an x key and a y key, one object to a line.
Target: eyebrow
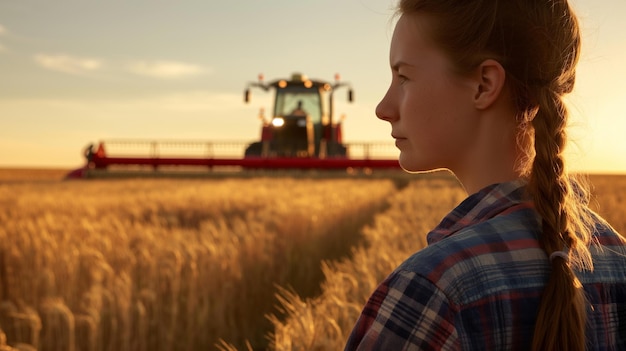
[{"x": 396, "y": 66}]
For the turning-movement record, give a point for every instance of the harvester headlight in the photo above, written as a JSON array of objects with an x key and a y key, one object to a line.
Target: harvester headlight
[{"x": 278, "y": 122}]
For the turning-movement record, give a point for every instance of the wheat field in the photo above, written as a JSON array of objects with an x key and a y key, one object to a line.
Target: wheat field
[
  {"x": 325, "y": 321},
  {"x": 209, "y": 264}
]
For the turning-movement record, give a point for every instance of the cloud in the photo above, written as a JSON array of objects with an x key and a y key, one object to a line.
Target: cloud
[
  {"x": 68, "y": 64},
  {"x": 83, "y": 65},
  {"x": 165, "y": 69}
]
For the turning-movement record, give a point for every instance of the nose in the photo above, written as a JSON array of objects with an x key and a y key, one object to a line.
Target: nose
[{"x": 385, "y": 109}]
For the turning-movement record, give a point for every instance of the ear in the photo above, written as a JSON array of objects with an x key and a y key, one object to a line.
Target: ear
[{"x": 490, "y": 78}]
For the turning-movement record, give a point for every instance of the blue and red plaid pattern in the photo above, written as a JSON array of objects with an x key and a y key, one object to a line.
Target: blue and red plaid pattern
[{"x": 478, "y": 283}]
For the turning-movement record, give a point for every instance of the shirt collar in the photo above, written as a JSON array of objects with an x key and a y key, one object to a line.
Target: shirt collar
[{"x": 479, "y": 207}]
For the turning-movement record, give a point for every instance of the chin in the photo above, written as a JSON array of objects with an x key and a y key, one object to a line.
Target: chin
[
  {"x": 414, "y": 166},
  {"x": 409, "y": 165}
]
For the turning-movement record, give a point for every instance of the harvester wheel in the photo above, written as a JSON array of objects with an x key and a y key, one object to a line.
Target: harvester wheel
[
  {"x": 337, "y": 150},
  {"x": 254, "y": 150}
]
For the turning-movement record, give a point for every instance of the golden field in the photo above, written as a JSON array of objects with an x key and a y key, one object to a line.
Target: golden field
[{"x": 200, "y": 264}]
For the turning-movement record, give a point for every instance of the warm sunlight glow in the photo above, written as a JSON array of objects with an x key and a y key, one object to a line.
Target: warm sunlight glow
[{"x": 66, "y": 84}]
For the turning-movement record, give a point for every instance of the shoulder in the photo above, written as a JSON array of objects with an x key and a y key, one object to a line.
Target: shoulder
[
  {"x": 406, "y": 312},
  {"x": 485, "y": 258},
  {"x": 608, "y": 250}
]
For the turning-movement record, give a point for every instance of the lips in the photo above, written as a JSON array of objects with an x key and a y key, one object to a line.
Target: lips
[{"x": 399, "y": 140}]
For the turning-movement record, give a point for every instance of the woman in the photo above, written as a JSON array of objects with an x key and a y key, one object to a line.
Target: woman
[{"x": 522, "y": 263}]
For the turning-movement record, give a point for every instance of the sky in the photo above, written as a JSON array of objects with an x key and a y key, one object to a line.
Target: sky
[{"x": 74, "y": 72}]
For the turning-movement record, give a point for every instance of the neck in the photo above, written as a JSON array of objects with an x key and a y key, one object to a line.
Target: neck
[{"x": 494, "y": 157}]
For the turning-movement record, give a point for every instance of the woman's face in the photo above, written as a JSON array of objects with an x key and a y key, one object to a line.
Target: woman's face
[{"x": 429, "y": 106}]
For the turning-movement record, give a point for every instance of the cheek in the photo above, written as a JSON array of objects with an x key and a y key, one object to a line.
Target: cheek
[
  {"x": 425, "y": 96},
  {"x": 422, "y": 109},
  {"x": 434, "y": 121}
]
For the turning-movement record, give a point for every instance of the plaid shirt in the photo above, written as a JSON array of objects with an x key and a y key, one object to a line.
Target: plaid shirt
[{"x": 478, "y": 284}]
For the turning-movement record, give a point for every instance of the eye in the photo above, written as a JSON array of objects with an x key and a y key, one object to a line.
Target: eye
[{"x": 402, "y": 78}]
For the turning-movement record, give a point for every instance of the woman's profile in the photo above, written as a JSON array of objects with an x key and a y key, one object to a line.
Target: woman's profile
[{"x": 522, "y": 263}]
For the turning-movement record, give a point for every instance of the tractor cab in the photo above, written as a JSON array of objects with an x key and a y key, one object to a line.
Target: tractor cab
[{"x": 302, "y": 123}]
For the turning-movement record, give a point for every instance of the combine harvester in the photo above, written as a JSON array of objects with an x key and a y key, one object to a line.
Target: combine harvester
[{"x": 303, "y": 134}]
